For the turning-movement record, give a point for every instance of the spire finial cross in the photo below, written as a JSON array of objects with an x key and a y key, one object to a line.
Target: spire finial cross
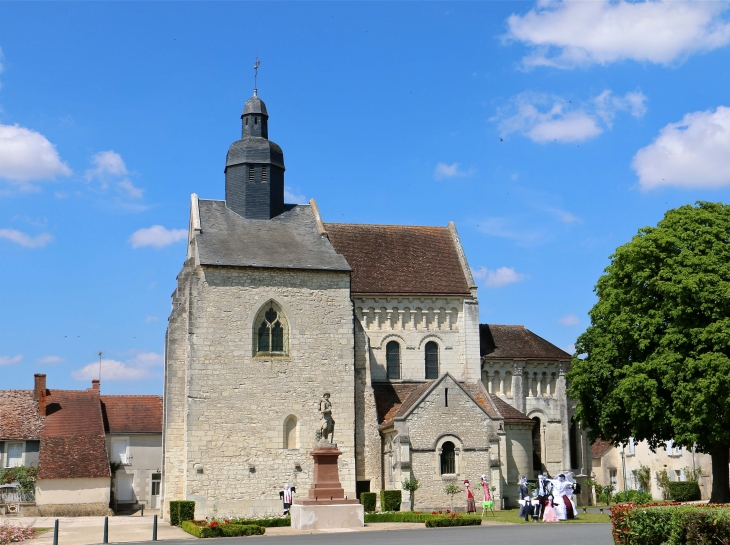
[{"x": 256, "y": 73}]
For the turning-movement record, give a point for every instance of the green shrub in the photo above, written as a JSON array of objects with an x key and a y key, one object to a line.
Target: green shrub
[
  {"x": 390, "y": 500},
  {"x": 367, "y": 499},
  {"x": 406, "y": 516},
  {"x": 440, "y": 522},
  {"x": 186, "y": 510},
  {"x": 684, "y": 491},
  {"x": 215, "y": 529},
  {"x": 266, "y": 523},
  {"x": 633, "y": 496},
  {"x": 175, "y": 513},
  {"x": 671, "y": 524}
]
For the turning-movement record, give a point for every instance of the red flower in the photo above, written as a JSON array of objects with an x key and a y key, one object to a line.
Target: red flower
[{"x": 448, "y": 511}]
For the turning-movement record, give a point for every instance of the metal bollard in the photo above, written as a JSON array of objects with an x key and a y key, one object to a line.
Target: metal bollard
[
  {"x": 154, "y": 529},
  {"x": 106, "y": 530},
  {"x": 55, "y": 532},
  {"x": 142, "y": 506}
]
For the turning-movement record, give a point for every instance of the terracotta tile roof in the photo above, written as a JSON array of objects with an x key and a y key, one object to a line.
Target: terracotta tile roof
[
  {"x": 132, "y": 413},
  {"x": 516, "y": 342},
  {"x": 600, "y": 448},
  {"x": 72, "y": 440},
  {"x": 399, "y": 259},
  {"x": 19, "y": 418},
  {"x": 481, "y": 396},
  {"x": 73, "y": 457},
  {"x": 393, "y": 400},
  {"x": 509, "y": 413}
]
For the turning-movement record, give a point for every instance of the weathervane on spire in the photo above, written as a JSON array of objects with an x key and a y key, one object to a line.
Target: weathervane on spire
[{"x": 256, "y": 74}]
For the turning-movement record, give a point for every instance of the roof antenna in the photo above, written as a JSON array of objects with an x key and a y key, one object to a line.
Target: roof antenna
[
  {"x": 256, "y": 74},
  {"x": 100, "y": 354}
]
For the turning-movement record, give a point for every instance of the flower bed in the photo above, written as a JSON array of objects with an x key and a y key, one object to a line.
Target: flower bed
[
  {"x": 204, "y": 529},
  {"x": 670, "y": 523},
  {"x": 454, "y": 519},
  {"x": 14, "y": 534}
]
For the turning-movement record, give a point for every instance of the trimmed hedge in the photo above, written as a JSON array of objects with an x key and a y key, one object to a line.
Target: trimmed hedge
[
  {"x": 670, "y": 524},
  {"x": 441, "y": 522},
  {"x": 390, "y": 500},
  {"x": 222, "y": 530},
  {"x": 367, "y": 499},
  {"x": 684, "y": 491},
  {"x": 273, "y": 522},
  {"x": 181, "y": 510},
  {"x": 633, "y": 496},
  {"x": 405, "y": 516}
]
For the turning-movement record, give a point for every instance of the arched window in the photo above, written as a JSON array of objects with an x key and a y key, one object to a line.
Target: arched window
[
  {"x": 448, "y": 458},
  {"x": 536, "y": 445},
  {"x": 271, "y": 331},
  {"x": 432, "y": 360},
  {"x": 291, "y": 439},
  {"x": 392, "y": 358}
]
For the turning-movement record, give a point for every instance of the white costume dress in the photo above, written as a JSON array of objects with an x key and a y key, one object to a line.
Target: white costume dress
[{"x": 564, "y": 489}]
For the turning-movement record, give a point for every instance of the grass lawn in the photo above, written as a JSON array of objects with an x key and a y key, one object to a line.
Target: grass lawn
[{"x": 510, "y": 515}]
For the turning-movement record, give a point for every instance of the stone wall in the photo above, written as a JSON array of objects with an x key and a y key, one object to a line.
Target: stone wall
[
  {"x": 234, "y": 404},
  {"x": 432, "y": 423}
]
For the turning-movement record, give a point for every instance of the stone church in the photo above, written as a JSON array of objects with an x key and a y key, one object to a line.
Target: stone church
[{"x": 275, "y": 307}]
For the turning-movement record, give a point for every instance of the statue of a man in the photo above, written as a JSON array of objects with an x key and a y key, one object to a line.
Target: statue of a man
[{"x": 327, "y": 429}]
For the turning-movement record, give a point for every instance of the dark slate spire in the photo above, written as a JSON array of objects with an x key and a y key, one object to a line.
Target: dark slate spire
[{"x": 255, "y": 167}]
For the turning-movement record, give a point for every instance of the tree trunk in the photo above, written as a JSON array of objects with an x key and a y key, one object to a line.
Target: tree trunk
[{"x": 720, "y": 474}]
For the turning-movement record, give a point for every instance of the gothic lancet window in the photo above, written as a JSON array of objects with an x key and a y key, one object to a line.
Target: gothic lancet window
[
  {"x": 271, "y": 331},
  {"x": 432, "y": 360},
  {"x": 392, "y": 357}
]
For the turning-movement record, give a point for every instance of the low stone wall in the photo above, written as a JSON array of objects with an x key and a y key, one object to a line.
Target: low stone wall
[{"x": 67, "y": 510}]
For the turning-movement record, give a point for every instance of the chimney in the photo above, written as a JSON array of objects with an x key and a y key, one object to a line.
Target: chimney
[
  {"x": 39, "y": 393},
  {"x": 95, "y": 384}
]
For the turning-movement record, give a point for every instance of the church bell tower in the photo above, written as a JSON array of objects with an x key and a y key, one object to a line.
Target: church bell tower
[{"x": 255, "y": 167}]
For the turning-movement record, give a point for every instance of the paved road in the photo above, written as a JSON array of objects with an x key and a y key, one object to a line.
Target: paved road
[{"x": 544, "y": 534}]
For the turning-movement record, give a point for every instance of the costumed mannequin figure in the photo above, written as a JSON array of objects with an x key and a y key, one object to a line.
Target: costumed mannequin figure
[
  {"x": 549, "y": 514},
  {"x": 286, "y": 496},
  {"x": 544, "y": 489},
  {"x": 525, "y": 500},
  {"x": 470, "y": 507},
  {"x": 564, "y": 507},
  {"x": 488, "y": 502}
]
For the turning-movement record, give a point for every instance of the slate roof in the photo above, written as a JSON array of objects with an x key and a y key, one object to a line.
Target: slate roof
[
  {"x": 132, "y": 413},
  {"x": 19, "y": 418},
  {"x": 400, "y": 259},
  {"x": 600, "y": 448},
  {"x": 291, "y": 240},
  {"x": 72, "y": 440},
  {"x": 516, "y": 342}
]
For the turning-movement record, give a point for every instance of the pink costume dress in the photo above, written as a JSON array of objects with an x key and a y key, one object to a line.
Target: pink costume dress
[{"x": 549, "y": 515}]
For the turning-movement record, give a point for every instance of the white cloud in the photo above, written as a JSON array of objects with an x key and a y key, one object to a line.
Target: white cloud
[
  {"x": 292, "y": 197},
  {"x": 157, "y": 236},
  {"x": 27, "y": 155},
  {"x": 7, "y": 360},
  {"x": 23, "y": 239},
  {"x": 549, "y": 118},
  {"x": 569, "y": 34},
  {"x": 500, "y": 277},
  {"x": 511, "y": 229},
  {"x": 563, "y": 215},
  {"x": 50, "y": 360},
  {"x": 150, "y": 319},
  {"x": 692, "y": 153},
  {"x": 569, "y": 319},
  {"x": 128, "y": 189},
  {"x": 444, "y": 171},
  {"x": 106, "y": 163},
  {"x": 142, "y": 365}
]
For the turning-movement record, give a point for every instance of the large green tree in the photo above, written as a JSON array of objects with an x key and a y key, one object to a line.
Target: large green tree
[{"x": 655, "y": 362}]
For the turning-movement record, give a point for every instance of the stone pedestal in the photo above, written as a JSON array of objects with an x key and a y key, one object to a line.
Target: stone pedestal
[{"x": 326, "y": 506}]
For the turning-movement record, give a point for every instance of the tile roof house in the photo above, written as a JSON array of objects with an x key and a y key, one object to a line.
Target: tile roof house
[{"x": 68, "y": 436}]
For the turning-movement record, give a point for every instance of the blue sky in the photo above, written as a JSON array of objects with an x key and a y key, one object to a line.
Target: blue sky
[{"x": 549, "y": 132}]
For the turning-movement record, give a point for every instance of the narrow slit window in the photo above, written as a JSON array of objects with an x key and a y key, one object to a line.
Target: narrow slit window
[
  {"x": 446, "y": 397},
  {"x": 255, "y": 120}
]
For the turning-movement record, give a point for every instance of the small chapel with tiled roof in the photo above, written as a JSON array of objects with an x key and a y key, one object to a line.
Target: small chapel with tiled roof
[{"x": 275, "y": 307}]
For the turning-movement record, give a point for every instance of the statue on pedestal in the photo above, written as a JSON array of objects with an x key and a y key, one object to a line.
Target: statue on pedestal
[{"x": 326, "y": 431}]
